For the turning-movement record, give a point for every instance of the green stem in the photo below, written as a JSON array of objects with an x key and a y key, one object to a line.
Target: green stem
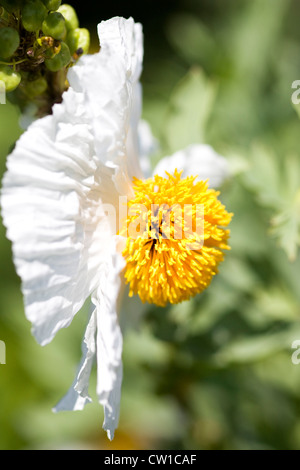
[{"x": 12, "y": 63}]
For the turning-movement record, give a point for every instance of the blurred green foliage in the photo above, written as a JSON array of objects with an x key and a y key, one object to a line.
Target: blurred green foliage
[{"x": 215, "y": 372}]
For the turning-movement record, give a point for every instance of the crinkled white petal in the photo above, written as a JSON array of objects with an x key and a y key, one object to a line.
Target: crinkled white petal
[
  {"x": 63, "y": 171},
  {"x": 132, "y": 143},
  {"x": 140, "y": 142},
  {"x": 77, "y": 396},
  {"x": 45, "y": 205},
  {"x": 113, "y": 94},
  {"x": 147, "y": 145},
  {"x": 109, "y": 342},
  {"x": 102, "y": 339},
  {"x": 197, "y": 159}
]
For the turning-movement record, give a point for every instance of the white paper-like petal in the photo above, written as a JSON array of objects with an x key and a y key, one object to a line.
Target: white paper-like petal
[
  {"x": 103, "y": 339},
  {"x": 132, "y": 143},
  {"x": 197, "y": 159},
  {"x": 48, "y": 192},
  {"x": 63, "y": 171},
  {"x": 77, "y": 396},
  {"x": 113, "y": 94},
  {"x": 147, "y": 145},
  {"x": 109, "y": 342},
  {"x": 140, "y": 141}
]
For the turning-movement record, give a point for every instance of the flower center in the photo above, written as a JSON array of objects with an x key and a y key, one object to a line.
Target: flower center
[{"x": 175, "y": 238}]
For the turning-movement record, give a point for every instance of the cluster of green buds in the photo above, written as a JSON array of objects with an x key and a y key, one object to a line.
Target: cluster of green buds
[{"x": 39, "y": 41}]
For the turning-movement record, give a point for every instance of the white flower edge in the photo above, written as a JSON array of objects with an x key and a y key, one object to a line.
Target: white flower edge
[
  {"x": 109, "y": 343},
  {"x": 199, "y": 160},
  {"x": 102, "y": 340},
  {"x": 64, "y": 167},
  {"x": 62, "y": 172}
]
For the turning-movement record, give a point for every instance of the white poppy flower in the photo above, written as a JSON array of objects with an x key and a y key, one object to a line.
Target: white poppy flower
[{"x": 63, "y": 174}]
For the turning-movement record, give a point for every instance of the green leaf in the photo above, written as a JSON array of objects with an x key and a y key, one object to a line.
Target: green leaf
[
  {"x": 277, "y": 187},
  {"x": 189, "y": 110},
  {"x": 190, "y": 38},
  {"x": 264, "y": 177},
  {"x": 277, "y": 304},
  {"x": 285, "y": 226},
  {"x": 256, "y": 348}
]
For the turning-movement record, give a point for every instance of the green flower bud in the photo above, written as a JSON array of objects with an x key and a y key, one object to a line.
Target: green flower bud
[
  {"x": 9, "y": 42},
  {"x": 33, "y": 15},
  {"x": 11, "y": 5},
  {"x": 10, "y": 78},
  {"x": 52, "y": 4},
  {"x": 79, "y": 38},
  {"x": 48, "y": 46},
  {"x": 70, "y": 16},
  {"x": 60, "y": 60},
  {"x": 36, "y": 87},
  {"x": 55, "y": 26}
]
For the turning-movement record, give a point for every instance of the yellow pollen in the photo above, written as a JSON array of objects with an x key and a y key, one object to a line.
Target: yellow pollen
[{"x": 175, "y": 237}]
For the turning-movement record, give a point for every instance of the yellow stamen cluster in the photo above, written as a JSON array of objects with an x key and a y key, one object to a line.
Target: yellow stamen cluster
[{"x": 175, "y": 236}]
